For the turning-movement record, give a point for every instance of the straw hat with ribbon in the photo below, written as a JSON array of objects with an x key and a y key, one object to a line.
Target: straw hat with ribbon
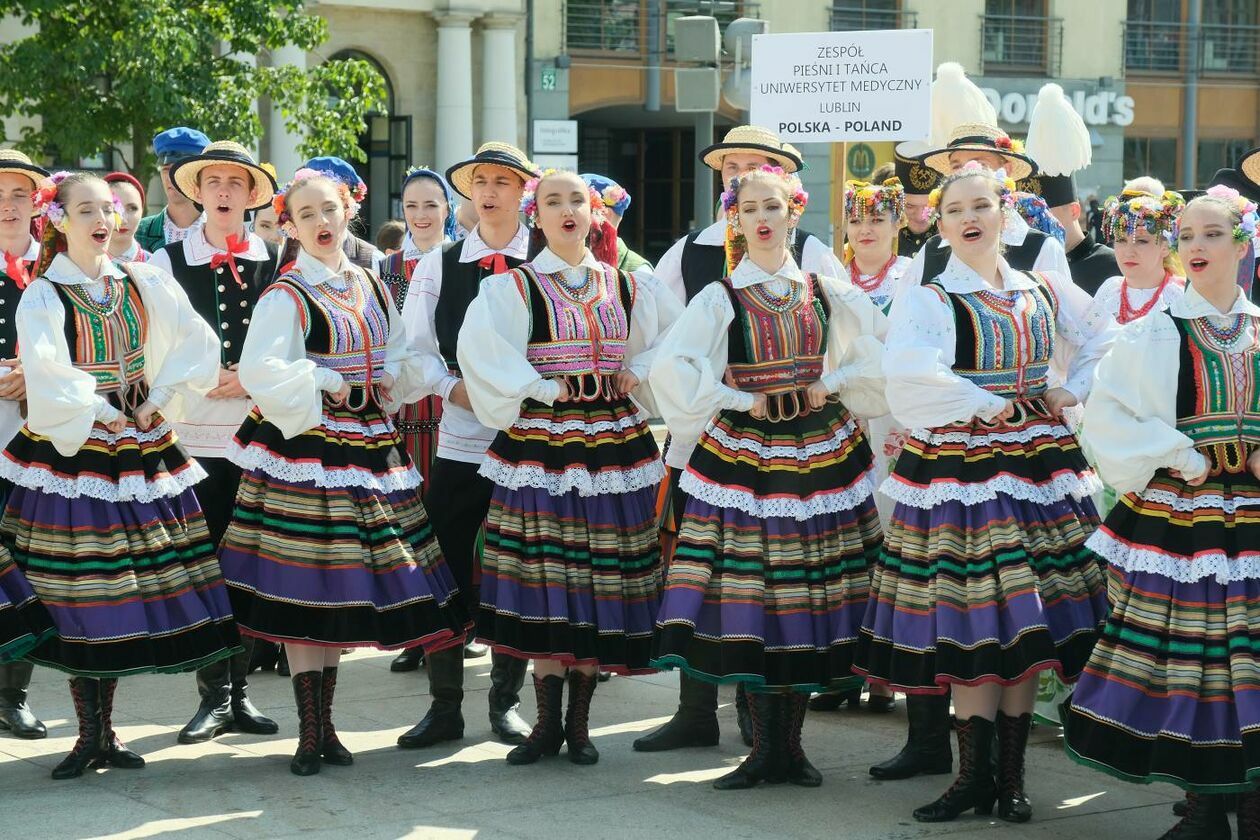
[
  {"x": 753, "y": 140},
  {"x": 11, "y": 160},
  {"x": 223, "y": 153},
  {"x": 979, "y": 137},
  {"x": 1249, "y": 166},
  {"x": 503, "y": 155}
]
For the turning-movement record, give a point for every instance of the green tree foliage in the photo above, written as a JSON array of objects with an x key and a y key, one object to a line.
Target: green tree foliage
[{"x": 99, "y": 75}]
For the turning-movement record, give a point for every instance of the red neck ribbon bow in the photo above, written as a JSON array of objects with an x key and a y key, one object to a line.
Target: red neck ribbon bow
[{"x": 234, "y": 246}]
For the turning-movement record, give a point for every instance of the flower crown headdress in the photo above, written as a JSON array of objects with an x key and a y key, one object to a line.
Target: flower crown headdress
[
  {"x": 972, "y": 169},
  {"x": 797, "y": 197},
  {"x": 53, "y": 211},
  {"x": 529, "y": 198},
  {"x": 279, "y": 203},
  {"x": 1245, "y": 230},
  {"x": 1033, "y": 209},
  {"x": 1134, "y": 210},
  {"x": 862, "y": 199}
]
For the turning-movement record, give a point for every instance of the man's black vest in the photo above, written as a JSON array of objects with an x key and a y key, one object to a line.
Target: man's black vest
[
  {"x": 460, "y": 283},
  {"x": 218, "y": 299},
  {"x": 1020, "y": 257}
]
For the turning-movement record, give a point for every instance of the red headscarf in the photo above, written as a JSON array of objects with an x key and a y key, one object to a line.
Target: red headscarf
[{"x": 127, "y": 178}]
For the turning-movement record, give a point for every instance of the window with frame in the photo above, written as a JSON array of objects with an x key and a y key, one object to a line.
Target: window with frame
[
  {"x": 1229, "y": 36},
  {"x": 1017, "y": 36},
  {"x": 1155, "y": 156},
  {"x": 851, "y": 15},
  {"x": 1217, "y": 154},
  {"x": 1154, "y": 35}
]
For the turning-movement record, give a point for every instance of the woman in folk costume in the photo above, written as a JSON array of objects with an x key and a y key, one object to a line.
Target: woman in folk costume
[
  {"x": 984, "y": 580},
  {"x": 551, "y": 353},
  {"x": 329, "y": 546},
  {"x": 138, "y": 590},
  {"x": 768, "y": 368},
  {"x": 123, "y": 246},
  {"x": 875, "y": 213},
  {"x": 1170, "y": 692},
  {"x": 429, "y": 213}
]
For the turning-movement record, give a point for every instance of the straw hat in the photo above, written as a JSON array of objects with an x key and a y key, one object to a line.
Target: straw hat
[
  {"x": 752, "y": 140},
  {"x": 11, "y": 160},
  {"x": 223, "y": 152},
  {"x": 978, "y": 137},
  {"x": 503, "y": 155},
  {"x": 1249, "y": 166}
]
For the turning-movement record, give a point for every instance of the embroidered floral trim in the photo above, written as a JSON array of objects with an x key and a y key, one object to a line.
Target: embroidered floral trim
[
  {"x": 1056, "y": 490},
  {"x": 1199, "y": 501},
  {"x": 586, "y": 483},
  {"x": 1212, "y": 563},
  {"x": 974, "y": 441},
  {"x": 256, "y": 458},
  {"x": 801, "y": 453},
  {"x": 799, "y": 509},
  {"x": 132, "y": 488},
  {"x": 552, "y": 427}
]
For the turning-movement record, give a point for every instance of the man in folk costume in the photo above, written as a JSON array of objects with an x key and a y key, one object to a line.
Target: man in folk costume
[
  {"x": 691, "y": 264},
  {"x": 1059, "y": 143},
  {"x": 964, "y": 117},
  {"x": 19, "y": 178},
  {"x": 223, "y": 268},
  {"x": 442, "y": 286},
  {"x": 918, "y": 181},
  {"x": 175, "y": 221}
]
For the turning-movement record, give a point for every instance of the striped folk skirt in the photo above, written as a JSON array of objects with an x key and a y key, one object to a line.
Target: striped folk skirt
[
  {"x": 329, "y": 543},
  {"x": 769, "y": 580},
  {"x": 24, "y": 621},
  {"x": 113, "y": 543},
  {"x": 571, "y": 569},
  {"x": 1172, "y": 690},
  {"x": 984, "y": 576}
]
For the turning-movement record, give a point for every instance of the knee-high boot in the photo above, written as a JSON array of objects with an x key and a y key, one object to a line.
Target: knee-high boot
[
  {"x": 577, "y": 718},
  {"x": 974, "y": 787},
  {"x": 113, "y": 751},
  {"x": 1205, "y": 819},
  {"x": 15, "y": 715},
  {"x": 444, "y": 721},
  {"x": 1012, "y": 735},
  {"x": 797, "y": 767},
  {"x": 331, "y": 749},
  {"x": 762, "y": 764},
  {"x": 548, "y": 733},
  {"x": 693, "y": 725},
  {"x": 927, "y": 749},
  {"x": 86, "y": 695},
  {"x": 245, "y": 715},
  {"x": 308, "y": 693}
]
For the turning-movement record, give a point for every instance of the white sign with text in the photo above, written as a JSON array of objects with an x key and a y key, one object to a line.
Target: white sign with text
[{"x": 832, "y": 87}]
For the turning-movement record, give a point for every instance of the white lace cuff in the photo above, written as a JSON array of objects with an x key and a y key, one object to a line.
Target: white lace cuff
[
  {"x": 834, "y": 381},
  {"x": 992, "y": 406},
  {"x": 1190, "y": 463},
  {"x": 328, "y": 380},
  {"x": 445, "y": 387},
  {"x": 105, "y": 412},
  {"x": 733, "y": 400},
  {"x": 161, "y": 397},
  {"x": 544, "y": 390}
]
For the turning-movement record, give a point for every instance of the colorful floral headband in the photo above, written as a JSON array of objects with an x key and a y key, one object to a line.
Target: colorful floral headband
[
  {"x": 1245, "y": 230},
  {"x": 529, "y": 198},
  {"x": 612, "y": 195},
  {"x": 45, "y": 198},
  {"x": 279, "y": 203},
  {"x": 863, "y": 199},
  {"x": 1033, "y": 209},
  {"x": 1136, "y": 210},
  {"x": 971, "y": 169},
  {"x": 796, "y": 203}
]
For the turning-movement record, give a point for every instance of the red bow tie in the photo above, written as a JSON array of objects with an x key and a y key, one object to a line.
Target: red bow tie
[
  {"x": 234, "y": 247},
  {"x": 496, "y": 263},
  {"x": 15, "y": 267}
]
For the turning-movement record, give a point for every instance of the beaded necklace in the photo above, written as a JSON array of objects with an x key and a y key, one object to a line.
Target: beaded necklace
[
  {"x": 1225, "y": 337},
  {"x": 778, "y": 303},
  {"x": 869, "y": 286},
  {"x": 1127, "y": 312}
]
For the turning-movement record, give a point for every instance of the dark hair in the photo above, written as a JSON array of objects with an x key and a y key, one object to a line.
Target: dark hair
[
  {"x": 390, "y": 235},
  {"x": 52, "y": 241},
  {"x": 882, "y": 173}
]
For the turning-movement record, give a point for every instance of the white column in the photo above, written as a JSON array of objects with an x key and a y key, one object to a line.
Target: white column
[
  {"x": 283, "y": 143},
  {"x": 252, "y": 61},
  {"x": 499, "y": 78},
  {"x": 454, "y": 116}
]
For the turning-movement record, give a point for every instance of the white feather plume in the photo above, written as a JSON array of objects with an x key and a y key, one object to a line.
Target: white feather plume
[
  {"x": 957, "y": 100},
  {"x": 1057, "y": 137}
]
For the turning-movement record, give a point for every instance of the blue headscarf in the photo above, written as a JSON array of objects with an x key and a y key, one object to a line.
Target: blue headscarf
[
  {"x": 600, "y": 183},
  {"x": 425, "y": 172}
]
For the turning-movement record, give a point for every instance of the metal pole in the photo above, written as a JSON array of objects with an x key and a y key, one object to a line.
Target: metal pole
[
  {"x": 652, "y": 80},
  {"x": 703, "y": 200},
  {"x": 1190, "y": 117}
]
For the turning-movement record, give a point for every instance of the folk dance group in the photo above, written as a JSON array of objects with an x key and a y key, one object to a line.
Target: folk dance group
[{"x": 873, "y": 470}]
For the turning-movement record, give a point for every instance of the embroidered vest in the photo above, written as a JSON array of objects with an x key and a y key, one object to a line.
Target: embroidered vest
[
  {"x": 776, "y": 347},
  {"x": 345, "y": 331},
  {"x": 106, "y": 340},
  {"x": 1218, "y": 396},
  {"x": 1004, "y": 351},
  {"x": 396, "y": 275},
  {"x": 579, "y": 334}
]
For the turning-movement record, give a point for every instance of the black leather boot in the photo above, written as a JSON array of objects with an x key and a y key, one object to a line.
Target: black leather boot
[
  {"x": 548, "y": 733},
  {"x": 113, "y": 751},
  {"x": 86, "y": 695},
  {"x": 797, "y": 768},
  {"x": 577, "y": 718},
  {"x": 1012, "y": 735},
  {"x": 1249, "y": 815},
  {"x": 763, "y": 764},
  {"x": 308, "y": 691},
  {"x": 693, "y": 725},
  {"x": 15, "y": 715},
  {"x": 264, "y": 656},
  {"x": 742, "y": 716},
  {"x": 409, "y": 659},
  {"x": 1205, "y": 819},
  {"x": 830, "y": 701},
  {"x": 331, "y": 748},
  {"x": 214, "y": 715},
  {"x": 245, "y": 715},
  {"x": 927, "y": 749},
  {"x": 282, "y": 664},
  {"x": 444, "y": 720},
  {"x": 507, "y": 676},
  {"x": 974, "y": 787}
]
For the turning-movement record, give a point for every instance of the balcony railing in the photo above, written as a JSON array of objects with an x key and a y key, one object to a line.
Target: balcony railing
[
  {"x": 1163, "y": 47},
  {"x": 1020, "y": 45},
  {"x": 848, "y": 18},
  {"x": 621, "y": 26}
]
